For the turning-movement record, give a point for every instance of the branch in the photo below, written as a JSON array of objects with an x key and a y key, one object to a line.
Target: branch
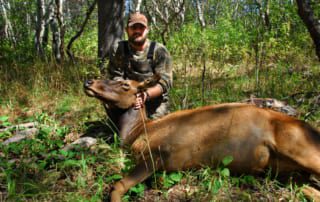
[{"x": 78, "y": 34}]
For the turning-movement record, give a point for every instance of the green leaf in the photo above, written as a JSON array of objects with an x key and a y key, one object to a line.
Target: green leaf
[
  {"x": 167, "y": 183},
  {"x": 4, "y": 121},
  {"x": 248, "y": 179},
  {"x": 4, "y": 118},
  {"x": 225, "y": 172},
  {"x": 216, "y": 186},
  {"x": 227, "y": 160},
  {"x": 138, "y": 189},
  {"x": 176, "y": 177},
  {"x": 113, "y": 177},
  {"x": 5, "y": 134},
  {"x": 71, "y": 163},
  {"x": 5, "y": 124},
  {"x": 63, "y": 152}
]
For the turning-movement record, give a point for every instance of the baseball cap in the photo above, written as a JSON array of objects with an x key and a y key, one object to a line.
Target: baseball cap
[{"x": 137, "y": 18}]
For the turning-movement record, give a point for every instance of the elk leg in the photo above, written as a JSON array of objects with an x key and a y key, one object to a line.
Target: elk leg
[
  {"x": 307, "y": 155},
  {"x": 311, "y": 193},
  {"x": 140, "y": 172}
]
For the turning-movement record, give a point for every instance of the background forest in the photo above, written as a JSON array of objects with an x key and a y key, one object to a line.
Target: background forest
[{"x": 223, "y": 51}]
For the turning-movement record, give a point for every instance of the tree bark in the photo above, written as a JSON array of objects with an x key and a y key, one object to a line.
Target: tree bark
[
  {"x": 61, "y": 28},
  {"x": 110, "y": 27},
  {"x": 313, "y": 25},
  {"x": 40, "y": 28},
  {"x": 7, "y": 29},
  {"x": 136, "y": 5},
  {"x": 200, "y": 13},
  {"x": 53, "y": 24}
]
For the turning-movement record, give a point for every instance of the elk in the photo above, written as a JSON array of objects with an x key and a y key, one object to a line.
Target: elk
[{"x": 256, "y": 138}]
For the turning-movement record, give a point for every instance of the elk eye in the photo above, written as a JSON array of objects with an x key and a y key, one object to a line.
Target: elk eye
[{"x": 125, "y": 86}]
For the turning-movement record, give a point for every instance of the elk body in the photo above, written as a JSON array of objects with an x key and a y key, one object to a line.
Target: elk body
[{"x": 256, "y": 138}]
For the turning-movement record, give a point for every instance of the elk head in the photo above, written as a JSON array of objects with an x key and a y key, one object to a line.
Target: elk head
[{"x": 120, "y": 94}]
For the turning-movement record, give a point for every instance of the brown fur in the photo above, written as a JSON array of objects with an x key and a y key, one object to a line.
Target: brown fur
[{"x": 256, "y": 138}]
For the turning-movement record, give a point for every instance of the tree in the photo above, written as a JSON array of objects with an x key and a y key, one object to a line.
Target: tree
[
  {"x": 78, "y": 34},
  {"x": 7, "y": 28},
  {"x": 135, "y": 5},
  {"x": 110, "y": 27},
  {"x": 50, "y": 15},
  {"x": 167, "y": 13},
  {"x": 200, "y": 13},
  {"x": 313, "y": 25},
  {"x": 40, "y": 28}
]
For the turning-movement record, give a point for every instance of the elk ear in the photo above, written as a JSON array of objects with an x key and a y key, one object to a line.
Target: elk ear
[{"x": 149, "y": 82}]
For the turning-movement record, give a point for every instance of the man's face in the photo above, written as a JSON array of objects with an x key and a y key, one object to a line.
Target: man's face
[{"x": 137, "y": 34}]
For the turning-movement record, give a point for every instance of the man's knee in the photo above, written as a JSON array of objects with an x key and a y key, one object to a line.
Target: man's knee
[{"x": 160, "y": 111}]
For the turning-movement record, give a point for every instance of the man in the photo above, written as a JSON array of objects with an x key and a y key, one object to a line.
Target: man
[{"x": 138, "y": 59}]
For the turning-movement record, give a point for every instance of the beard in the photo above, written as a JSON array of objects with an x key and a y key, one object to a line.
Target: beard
[{"x": 137, "y": 40}]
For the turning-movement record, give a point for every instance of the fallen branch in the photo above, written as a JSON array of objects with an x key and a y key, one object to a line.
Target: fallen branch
[
  {"x": 21, "y": 135},
  {"x": 22, "y": 126},
  {"x": 84, "y": 142}
]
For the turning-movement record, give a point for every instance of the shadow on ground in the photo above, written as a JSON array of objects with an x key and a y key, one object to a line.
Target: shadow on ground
[{"x": 100, "y": 129}]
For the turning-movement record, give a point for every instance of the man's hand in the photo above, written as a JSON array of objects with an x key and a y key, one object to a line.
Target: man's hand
[
  {"x": 140, "y": 100},
  {"x": 142, "y": 97}
]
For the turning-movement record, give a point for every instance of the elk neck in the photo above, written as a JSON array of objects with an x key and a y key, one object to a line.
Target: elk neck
[{"x": 131, "y": 125}]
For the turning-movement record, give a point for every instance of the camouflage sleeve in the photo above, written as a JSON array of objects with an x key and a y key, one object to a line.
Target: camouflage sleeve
[
  {"x": 115, "y": 66},
  {"x": 163, "y": 67}
]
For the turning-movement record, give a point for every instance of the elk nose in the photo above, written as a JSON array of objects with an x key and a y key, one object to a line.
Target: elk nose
[{"x": 88, "y": 83}]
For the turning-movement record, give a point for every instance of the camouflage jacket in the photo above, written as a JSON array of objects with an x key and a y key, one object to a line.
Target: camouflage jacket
[{"x": 126, "y": 63}]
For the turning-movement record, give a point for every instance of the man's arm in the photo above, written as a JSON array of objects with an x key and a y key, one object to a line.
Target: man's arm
[
  {"x": 153, "y": 92},
  {"x": 150, "y": 93},
  {"x": 163, "y": 67}
]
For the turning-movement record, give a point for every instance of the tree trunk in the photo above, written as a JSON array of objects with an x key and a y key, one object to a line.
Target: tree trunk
[
  {"x": 7, "y": 29},
  {"x": 313, "y": 25},
  {"x": 110, "y": 27},
  {"x": 55, "y": 40},
  {"x": 61, "y": 28},
  {"x": 40, "y": 28},
  {"x": 53, "y": 25},
  {"x": 200, "y": 13},
  {"x": 266, "y": 15},
  {"x": 56, "y": 22},
  {"x": 136, "y": 5}
]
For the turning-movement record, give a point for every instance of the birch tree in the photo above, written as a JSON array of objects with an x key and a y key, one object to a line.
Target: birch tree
[
  {"x": 58, "y": 30},
  {"x": 7, "y": 27},
  {"x": 135, "y": 5},
  {"x": 40, "y": 28},
  {"x": 200, "y": 13},
  {"x": 50, "y": 16}
]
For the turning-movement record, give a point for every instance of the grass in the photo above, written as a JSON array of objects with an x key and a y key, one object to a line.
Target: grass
[{"x": 39, "y": 170}]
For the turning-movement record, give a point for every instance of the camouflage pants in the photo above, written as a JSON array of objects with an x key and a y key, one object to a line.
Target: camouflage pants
[{"x": 157, "y": 108}]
